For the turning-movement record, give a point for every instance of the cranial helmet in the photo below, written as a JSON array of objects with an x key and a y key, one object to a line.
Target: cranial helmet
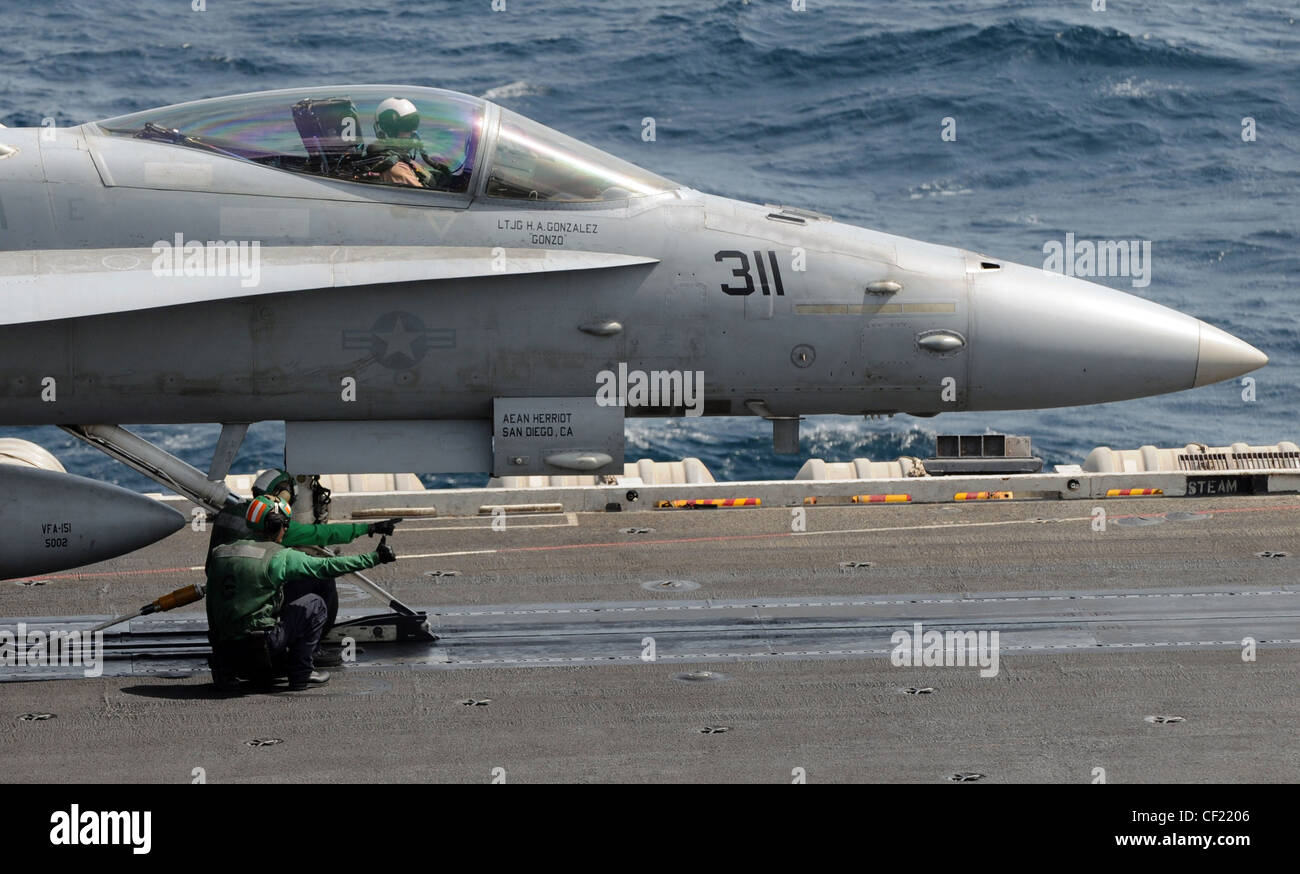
[
  {"x": 275, "y": 482},
  {"x": 394, "y": 117},
  {"x": 267, "y": 512}
]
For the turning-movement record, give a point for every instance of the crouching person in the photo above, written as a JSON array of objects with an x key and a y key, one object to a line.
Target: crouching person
[{"x": 247, "y": 616}]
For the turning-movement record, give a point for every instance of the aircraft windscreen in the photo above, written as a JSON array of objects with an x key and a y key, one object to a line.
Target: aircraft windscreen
[
  {"x": 534, "y": 162},
  {"x": 407, "y": 137}
]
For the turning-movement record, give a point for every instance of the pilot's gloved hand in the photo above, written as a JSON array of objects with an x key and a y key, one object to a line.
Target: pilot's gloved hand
[
  {"x": 385, "y": 527},
  {"x": 383, "y": 553},
  {"x": 401, "y": 174}
]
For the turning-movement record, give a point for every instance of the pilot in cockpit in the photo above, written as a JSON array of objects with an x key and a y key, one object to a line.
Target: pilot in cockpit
[{"x": 397, "y": 145}]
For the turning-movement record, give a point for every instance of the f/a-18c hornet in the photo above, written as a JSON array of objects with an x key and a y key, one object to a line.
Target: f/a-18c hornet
[{"x": 416, "y": 279}]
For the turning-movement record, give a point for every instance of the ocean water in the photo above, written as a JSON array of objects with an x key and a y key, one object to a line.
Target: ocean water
[{"x": 1122, "y": 124}]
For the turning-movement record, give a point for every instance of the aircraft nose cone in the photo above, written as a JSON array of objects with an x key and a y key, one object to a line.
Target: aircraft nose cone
[
  {"x": 1222, "y": 356},
  {"x": 1044, "y": 340}
]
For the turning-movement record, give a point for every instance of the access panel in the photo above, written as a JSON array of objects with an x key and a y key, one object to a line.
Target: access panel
[{"x": 555, "y": 436}]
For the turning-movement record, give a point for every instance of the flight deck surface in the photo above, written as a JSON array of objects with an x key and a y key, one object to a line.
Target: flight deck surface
[{"x": 546, "y": 623}]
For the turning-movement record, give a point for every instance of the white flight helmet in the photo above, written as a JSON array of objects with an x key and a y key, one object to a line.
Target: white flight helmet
[{"x": 394, "y": 117}]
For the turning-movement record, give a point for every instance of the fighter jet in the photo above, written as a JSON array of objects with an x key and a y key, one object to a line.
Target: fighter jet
[{"x": 417, "y": 279}]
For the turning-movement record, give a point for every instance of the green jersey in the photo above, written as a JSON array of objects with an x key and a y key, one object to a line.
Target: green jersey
[
  {"x": 230, "y": 526},
  {"x": 246, "y": 582}
]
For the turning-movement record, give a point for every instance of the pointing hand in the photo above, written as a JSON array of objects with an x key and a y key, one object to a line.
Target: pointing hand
[{"x": 385, "y": 527}]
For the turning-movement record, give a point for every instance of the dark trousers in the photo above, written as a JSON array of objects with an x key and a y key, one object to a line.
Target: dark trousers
[
  {"x": 327, "y": 591},
  {"x": 302, "y": 621}
]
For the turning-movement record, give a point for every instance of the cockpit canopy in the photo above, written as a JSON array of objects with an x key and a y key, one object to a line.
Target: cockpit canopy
[
  {"x": 534, "y": 162},
  {"x": 332, "y": 132}
]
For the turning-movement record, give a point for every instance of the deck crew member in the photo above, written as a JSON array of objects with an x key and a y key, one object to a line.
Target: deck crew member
[
  {"x": 250, "y": 596},
  {"x": 230, "y": 525}
]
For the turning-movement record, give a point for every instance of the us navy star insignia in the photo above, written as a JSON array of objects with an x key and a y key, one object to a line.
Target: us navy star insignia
[{"x": 399, "y": 340}]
